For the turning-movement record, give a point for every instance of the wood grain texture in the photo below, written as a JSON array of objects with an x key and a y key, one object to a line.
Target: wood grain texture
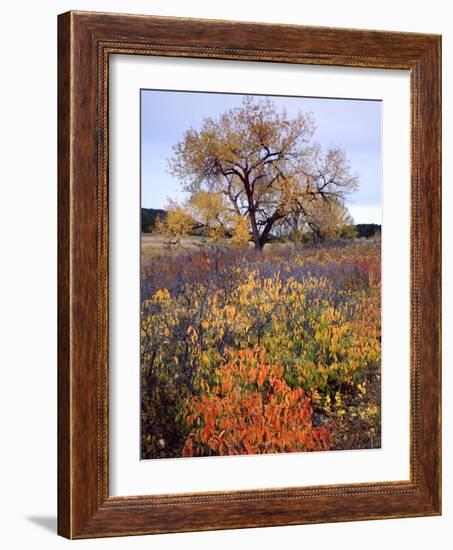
[
  {"x": 64, "y": 367},
  {"x": 85, "y": 42}
]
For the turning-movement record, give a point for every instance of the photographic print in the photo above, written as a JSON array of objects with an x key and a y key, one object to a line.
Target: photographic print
[{"x": 260, "y": 274}]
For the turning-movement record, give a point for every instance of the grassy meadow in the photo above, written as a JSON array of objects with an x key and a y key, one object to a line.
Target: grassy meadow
[{"x": 247, "y": 352}]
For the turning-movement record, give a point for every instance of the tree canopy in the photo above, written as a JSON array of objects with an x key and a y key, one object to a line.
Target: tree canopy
[{"x": 253, "y": 168}]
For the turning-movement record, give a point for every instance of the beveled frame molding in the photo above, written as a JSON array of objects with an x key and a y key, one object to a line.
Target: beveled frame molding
[{"x": 85, "y": 42}]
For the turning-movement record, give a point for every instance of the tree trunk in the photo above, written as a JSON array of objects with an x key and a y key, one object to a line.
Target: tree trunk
[
  {"x": 265, "y": 234},
  {"x": 258, "y": 245}
]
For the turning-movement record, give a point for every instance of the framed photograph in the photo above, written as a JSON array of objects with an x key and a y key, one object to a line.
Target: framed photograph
[{"x": 249, "y": 275}]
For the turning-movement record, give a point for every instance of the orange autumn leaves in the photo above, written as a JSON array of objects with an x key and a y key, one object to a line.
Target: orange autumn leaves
[{"x": 251, "y": 410}]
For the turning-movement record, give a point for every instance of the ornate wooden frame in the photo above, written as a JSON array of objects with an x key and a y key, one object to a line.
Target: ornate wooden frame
[{"x": 85, "y": 41}]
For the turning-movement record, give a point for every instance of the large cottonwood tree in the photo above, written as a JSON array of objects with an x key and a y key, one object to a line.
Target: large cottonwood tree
[{"x": 263, "y": 164}]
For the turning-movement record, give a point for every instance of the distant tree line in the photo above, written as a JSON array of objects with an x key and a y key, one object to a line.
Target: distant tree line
[
  {"x": 152, "y": 216},
  {"x": 368, "y": 230},
  {"x": 149, "y": 218}
]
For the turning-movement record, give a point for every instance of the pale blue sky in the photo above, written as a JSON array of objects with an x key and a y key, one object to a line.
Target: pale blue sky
[{"x": 353, "y": 124}]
